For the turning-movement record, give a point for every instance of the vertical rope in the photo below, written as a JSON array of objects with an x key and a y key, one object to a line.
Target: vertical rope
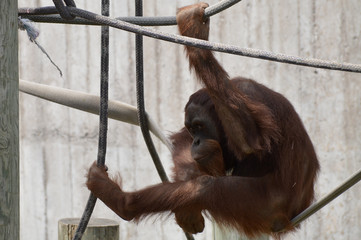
[
  {"x": 142, "y": 117},
  {"x": 103, "y": 118},
  {"x": 104, "y": 85}
]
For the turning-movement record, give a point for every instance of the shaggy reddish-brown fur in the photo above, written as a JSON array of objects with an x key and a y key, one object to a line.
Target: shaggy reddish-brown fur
[{"x": 269, "y": 158}]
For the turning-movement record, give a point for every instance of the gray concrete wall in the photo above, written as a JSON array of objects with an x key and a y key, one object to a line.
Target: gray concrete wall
[{"x": 58, "y": 143}]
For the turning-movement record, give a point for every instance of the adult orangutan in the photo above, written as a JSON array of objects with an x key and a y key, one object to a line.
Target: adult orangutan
[{"x": 244, "y": 156}]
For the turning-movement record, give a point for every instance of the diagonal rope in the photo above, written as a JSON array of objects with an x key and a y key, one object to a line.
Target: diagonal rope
[
  {"x": 247, "y": 52},
  {"x": 219, "y": 47},
  {"x": 327, "y": 199},
  {"x": 33, "y": 33}
]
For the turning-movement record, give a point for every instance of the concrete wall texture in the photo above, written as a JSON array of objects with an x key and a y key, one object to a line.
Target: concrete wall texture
[{"x": 58, "y": 143}]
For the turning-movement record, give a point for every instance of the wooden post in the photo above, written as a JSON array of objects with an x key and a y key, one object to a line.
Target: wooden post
[
  {"x": 9, "y": 121},
  {"x": 98, "y": 228}
]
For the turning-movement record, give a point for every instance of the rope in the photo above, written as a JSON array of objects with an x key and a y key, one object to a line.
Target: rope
[
  {"x": 247, "y": 52},
  {"x": 32, "y": 14},
  {"x": 103, "y": 118},
  {"x": 63, "y": 11},
  {"x": 33, "y": 33},
  {"x": 142, "y": 117},
  {"x": 143, "y": 21},
  {"x": 219, "y": 47},
  {"x": 85, "y": 217},
  {"x": 327, "y": 199}
]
